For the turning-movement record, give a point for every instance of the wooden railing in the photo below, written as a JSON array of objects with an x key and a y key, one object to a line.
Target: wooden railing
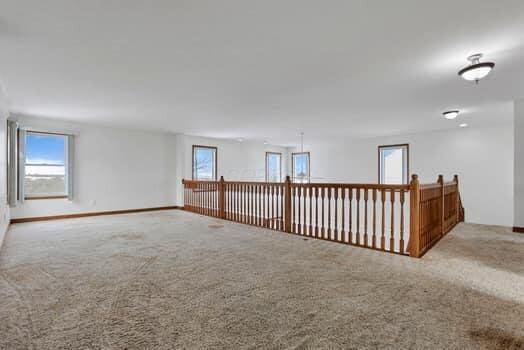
[
  {"x": 435, "y": 210},
  {"x": 401, "y": 219}
]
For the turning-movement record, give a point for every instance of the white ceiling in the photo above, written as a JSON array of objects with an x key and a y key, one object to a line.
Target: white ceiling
[{"x": 264, "y": 69}]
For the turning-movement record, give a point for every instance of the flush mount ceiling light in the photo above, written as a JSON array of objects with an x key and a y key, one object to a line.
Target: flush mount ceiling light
[
  {"x": 450, "y": 114},
  {"x": 463, "y": 125},
  {"x": 476, "y": 70}
]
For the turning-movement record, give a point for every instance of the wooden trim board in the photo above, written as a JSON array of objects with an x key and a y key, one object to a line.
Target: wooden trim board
[
  {"x": 518, "y": 229},
  {"x": 99, "y": 213}
]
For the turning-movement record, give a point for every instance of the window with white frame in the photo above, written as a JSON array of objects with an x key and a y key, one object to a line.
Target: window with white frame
[
  {"x": 273, "y": 167},
  {"x": 45, "y": 165},
  {"x": 204, "y": 163},
  {"x": 393, "y": 164},
  {"x": 300, "y": 167}
]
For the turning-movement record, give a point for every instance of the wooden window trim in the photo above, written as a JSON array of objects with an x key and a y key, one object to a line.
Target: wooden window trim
[
  {"x": 193, "y": 160},
  {"x": 407, "y": 159},
  {"x": 280, "y": 167},
  {"x": 293, "y": 165}
]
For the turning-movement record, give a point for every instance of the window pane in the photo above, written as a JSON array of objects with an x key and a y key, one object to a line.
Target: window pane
[
  {"x": 45, "y": 165},
  {"x": 393, "y": 165},
  {"x": 273, "y": 167},
  {"x": 204, "y": 163},
  {"x": 301, "y": 167}
]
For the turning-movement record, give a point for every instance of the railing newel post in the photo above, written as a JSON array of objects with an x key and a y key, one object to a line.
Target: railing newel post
[
  {"x": 414, "y": 213},
  {"x": 221, "y": 199},
  {"x": 287, "y": 204},
  {"x": 457, "y": 200},
  {"x": 440, "y": 180}
]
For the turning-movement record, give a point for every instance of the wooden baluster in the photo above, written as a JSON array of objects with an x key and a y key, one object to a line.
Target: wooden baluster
[
  {"x": 245, "y": 203},
  {"x": 374, "y": 243},
  {"x": 272, "y": 216},
  {"x": 268, "y": 202},
  {"x": 200, "y": 199},
  {"x": 248, "y": 204},
  {"x": 335, "y": 232},
  {"x": 227, "y": 203},
  {"x": 293, "y": 189},
  {"x": 350, "y": 199},
  {"x": 264, "y": 206},
  {"x": 383, "y": 237},
  {"x": 343, "y": 199},
  {"x": 265, "y": 199},
  {"x": 261, "y": 205},
  {"x": 310, "y": 211},
  {"x": 365, "y": 217},
  {"x": 208, "y": 199},
  {"x": 237, "y": 202},
  {"x": 253, "y": 202},
  {"x": 392, "y": 237},
  {"x": 280, "y": 206},
  {"x": 329, "y": 213},
  {"x": 240, "y": 203},
  {"x": 267, "y": 206},
  {"x": 258, "y": 205},
  {"x": 204, "y": 198},
  {"x": 304, "y": 226},
  {"x": 287, "y": 204},
  {"x": 322, "y": 230},
  {"x": 357, "y": 198},
  {"x": 402, "y": 199},
  {"x": 299, "y": 194},
  {"x": 316, "y": 213}
]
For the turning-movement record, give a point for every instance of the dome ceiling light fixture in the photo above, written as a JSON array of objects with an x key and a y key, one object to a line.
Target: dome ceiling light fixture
[
  {"x": 450, "y": 114},
  {"x": 476, "y": 70}
]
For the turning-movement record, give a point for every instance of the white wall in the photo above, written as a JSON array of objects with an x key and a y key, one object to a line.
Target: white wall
[
  {"x": 482, "y": 157},
  {"x": 237, "y": 161},
  {"x": 114, "y": 169},
  {"x": 519, "y": 163},
  {"x": 4, "y": 208}
]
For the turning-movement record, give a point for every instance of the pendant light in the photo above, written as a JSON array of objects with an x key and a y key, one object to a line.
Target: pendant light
[{"x": 476, "y": 70}]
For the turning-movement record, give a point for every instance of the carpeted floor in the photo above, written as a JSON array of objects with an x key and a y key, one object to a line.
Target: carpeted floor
[{"x": 174, "y": 280}]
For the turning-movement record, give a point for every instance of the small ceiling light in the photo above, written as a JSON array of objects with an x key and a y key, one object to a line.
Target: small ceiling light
[
  {"x": 463, "y": 125},
  {"x": 450, "y": 114},
  {"x": 240, "y": 139},
  {"x": 476, "y": 70}
]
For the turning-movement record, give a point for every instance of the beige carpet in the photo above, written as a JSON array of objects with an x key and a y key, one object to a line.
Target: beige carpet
[{"x": 166, "y": 280}]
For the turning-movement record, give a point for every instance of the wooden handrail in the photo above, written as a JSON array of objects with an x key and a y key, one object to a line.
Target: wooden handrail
[{"x": 367, "y": 215}]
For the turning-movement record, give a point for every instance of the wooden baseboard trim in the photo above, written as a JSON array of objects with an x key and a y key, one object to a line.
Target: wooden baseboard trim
[
  {"x": 98, "y": 213},
  {"x": 518, "y": 229}
]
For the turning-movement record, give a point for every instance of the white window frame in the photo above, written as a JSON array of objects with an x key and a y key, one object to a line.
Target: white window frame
[
  {"x": 269, "y": 154},
  {"x": 307, "y": 179},
  {"x": 195, "y": 164},
  {"x": 405, "y": 162},
  {"x": 68, "y": 165}
]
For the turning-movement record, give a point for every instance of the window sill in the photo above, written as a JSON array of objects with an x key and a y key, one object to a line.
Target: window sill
[{"x": 45, "y": 197}]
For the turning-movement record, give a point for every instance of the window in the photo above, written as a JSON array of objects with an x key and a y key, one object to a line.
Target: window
[
  {"x": 393, "y": 164},
  {"x": 204, "y": 163},
  {"x": 45, "y": 166},
  {"x": 300, "y": 167},
  {"x": 273, "y": 167}
]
